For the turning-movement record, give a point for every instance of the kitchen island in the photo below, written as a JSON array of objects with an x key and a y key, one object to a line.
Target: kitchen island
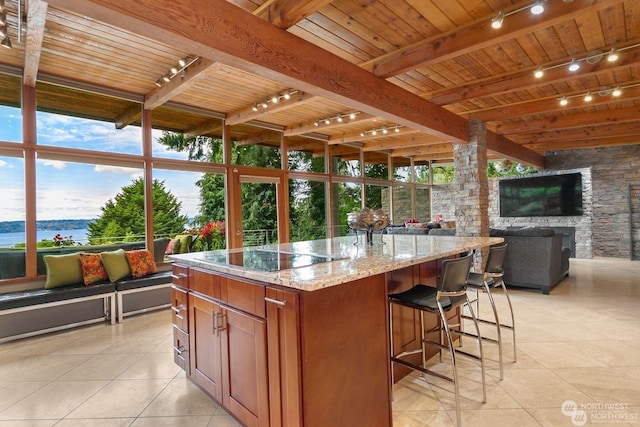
[{"x": 297, "y": 334}]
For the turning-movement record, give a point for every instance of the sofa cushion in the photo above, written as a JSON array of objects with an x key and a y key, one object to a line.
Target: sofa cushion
[
  {"x": 92, "y": 269},
  {"x": 185, "y": 242},
  {"x": 116, "y": 264},
  {"x": 62, "y": 270},
  {"x": 141, "y": 263},
  {"x": 173, "y": 247},
  {"x": 41, "y": 296}
]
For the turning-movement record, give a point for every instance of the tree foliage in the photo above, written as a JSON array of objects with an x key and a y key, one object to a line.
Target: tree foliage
[{"x": 123, "y": 218}]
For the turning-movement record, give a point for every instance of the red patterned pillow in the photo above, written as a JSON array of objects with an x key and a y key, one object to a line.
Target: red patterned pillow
[
  {"x": 173, "y": 247},
  {"x": 141, "y": 262},
  {"x": 92, "y": 269}
]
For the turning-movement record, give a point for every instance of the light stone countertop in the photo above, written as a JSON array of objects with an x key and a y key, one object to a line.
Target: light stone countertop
[{"x": 352, "y": 261}]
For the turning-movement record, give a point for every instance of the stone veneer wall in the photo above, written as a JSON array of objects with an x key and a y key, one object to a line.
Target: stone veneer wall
[
  {"x": 612, "y": 169},
  {"x": 582, "y": 223}
]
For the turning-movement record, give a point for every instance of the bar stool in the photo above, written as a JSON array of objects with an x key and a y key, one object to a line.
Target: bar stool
[
  {"x": 450, "y": 293},
  {"x": 492, "y": 278}
]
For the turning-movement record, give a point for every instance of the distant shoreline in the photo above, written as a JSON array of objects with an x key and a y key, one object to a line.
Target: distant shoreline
[{"x": 45, "y": 225}]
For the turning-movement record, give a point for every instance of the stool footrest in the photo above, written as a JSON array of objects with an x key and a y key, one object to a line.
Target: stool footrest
[{"x": 421, "y": 369}]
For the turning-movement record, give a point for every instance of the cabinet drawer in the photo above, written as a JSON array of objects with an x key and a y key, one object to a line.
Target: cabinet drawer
[
  {"x": 180, "y": 308},
  {"x": 204, "y": 282},
  {"x": 244, "y": 296},
  {"x": 181, "y": 349},
  {"x": 180, "y": 276}
]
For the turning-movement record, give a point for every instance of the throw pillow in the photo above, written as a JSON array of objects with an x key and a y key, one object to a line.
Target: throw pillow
[
  {"x": 62, "y": 270},
  {"x": 185, "y": 242},
  {"x": 92, "y": 269},
  {"x": 115, "y": 262},
  {"x": 140, "y": 262},
  {"x": 173, "y": 247}
]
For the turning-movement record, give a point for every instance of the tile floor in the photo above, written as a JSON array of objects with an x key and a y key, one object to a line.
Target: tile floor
[{"x": 580, "y": 344}]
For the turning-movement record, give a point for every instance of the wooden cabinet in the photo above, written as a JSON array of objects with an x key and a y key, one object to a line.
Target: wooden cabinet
[
  {"x": 180, "y": 317},
  {"x": 204, "y": 339}
]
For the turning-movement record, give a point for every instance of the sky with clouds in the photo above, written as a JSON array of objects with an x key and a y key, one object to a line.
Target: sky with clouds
[{"x": 69, "y": 190}]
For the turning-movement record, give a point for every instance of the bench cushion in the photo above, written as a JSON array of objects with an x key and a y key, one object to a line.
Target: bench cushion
[
  {"x": 41, "y": 296},
  {"x": 151, "y": 280}
]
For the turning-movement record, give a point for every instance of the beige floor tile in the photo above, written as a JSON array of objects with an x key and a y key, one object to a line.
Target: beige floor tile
[
  {"x": 28, "y": 423},
  {"x": 180, "y": 397},
  {"x": 96, "y": 422},
  {"x": 120, "y": 399},
  {"x": 561, "y": 355},
  {"x": 541, "y": 388},
  {"x": 102, "y": 367},
  {"x": 137, "y": 343},
  {"x": 497, "y": 417},
  {"x": 44, "y": 368},
  {"x": 182, "y": 421},
  {"x": 603, "y": 384},
  {"x": 222, "y": 419},
  {"x": 12, "y": 392},
  {"x": 422, "y": 419},
  {"x": 152, "y": 365},
  {"x": 53, "y": 401}
]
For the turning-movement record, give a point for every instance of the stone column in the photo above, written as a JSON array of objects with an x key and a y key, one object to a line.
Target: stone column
[{"x": 471, "y": 186}]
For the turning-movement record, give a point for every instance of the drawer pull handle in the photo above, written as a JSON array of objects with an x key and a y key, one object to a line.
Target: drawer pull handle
[{"x": 275, "y": 301}]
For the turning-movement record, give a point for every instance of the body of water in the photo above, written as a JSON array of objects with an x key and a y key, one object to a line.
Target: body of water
[{"x": 7, "y": 240}]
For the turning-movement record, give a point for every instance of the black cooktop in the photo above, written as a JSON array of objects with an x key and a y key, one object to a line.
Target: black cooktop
[{"x": 265, "y": 259}]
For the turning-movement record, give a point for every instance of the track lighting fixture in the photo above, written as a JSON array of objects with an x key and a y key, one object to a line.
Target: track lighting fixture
[
  {"x": 182, "y": 65},
  {"x": 603, "y": 91},
  {"x": 536, "y": 8},
  {"x": 596, "y": 56},
  {"x": 340, "y": 118},
  {"x": 274, "y": 99},
  {"x": 384, "y": 130}
]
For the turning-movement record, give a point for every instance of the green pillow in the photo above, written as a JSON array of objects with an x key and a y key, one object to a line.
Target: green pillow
[
  {"x": 62, "y": 270},
  {"x": 185, "y": 243},
  {"x": 115, "y": 262}
]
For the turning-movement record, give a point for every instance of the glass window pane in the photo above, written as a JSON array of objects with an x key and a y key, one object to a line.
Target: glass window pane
[
  {"x": 345, "y": 160},
  {"x": 259, "y": 213},
  {"x": 402, "y": 209},
  {"x": 347, "y": 197},
  {"x": 443, "y": 174},
  {"x": 256, "y": 154},
  {"x": 74, "y": 132},
  {"x": 422, "y": 171},
  {"x": 423, "y": 204},
  {"x": 306, "y": 156},
  {"x": 307, "y": 210},
  {"x": 12, "y": 217},
  {"x": 10, "y": 124},
  {"x": 377, "y": 197},
  {"x": 376, "y": 165},
  {"x": 174, "y": 146},
  {"x": 401, "y": 168}
]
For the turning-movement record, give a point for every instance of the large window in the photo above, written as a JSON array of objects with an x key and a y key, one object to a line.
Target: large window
[
  {"x": 307, "y": 210},
  {"x": 10, "y": 124},
  {"x": 347, "y": 197},
  {"x": 12, "y": 217},
  {"x": 306, "y": 156}
]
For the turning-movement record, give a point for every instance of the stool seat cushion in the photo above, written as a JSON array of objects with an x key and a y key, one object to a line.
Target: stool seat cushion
[{"x": 422, "y": 297}]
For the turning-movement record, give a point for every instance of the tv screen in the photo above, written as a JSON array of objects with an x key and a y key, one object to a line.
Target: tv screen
[{"x": 550, "y": 195}]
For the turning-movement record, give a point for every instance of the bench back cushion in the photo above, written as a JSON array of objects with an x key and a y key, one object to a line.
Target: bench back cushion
[
  {"x": 141, "y": 263},
  {"x": 92, "y": 268},
  {"x": 115, "y": 262},
  {"x": 62, "y": 270}
]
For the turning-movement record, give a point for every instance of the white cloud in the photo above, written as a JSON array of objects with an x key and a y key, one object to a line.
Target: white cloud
[
  {"x": 56, "y": 164},
  {"x": 4, "y": 164}
]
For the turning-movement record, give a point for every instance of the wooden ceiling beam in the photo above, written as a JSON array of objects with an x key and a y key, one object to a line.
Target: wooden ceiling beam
[
  {"x": 413, "y": 140},
  {"x": 479, "y": 35},
  {"x": 558, "y": 121},
  {"x": 265, "y": 138},
  {"x": 547, "y": 105},
  {"x": 312, "y": 126},
  {"x": 205, "y": 128},
  {"x": 371, "y": 137},
  {"x": 191, "y": 75},
  {"x": 248, "y": 113},
  {"x": 36, "y": 18},
  {"x": 423, "y": 150},
  {"x": 524, "y": 79},
  {"x": 131, "y": 114},
  {"x": 237, "y": 38},
  {"x": 584, "y": 143},
  {"x": 587, "y": 132},
  {"x": 505, "y": 148},
  {"x": 286, "y": 13}
]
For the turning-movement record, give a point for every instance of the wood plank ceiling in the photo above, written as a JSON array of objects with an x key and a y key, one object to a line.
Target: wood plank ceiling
[{"x": 398, "y": 76}]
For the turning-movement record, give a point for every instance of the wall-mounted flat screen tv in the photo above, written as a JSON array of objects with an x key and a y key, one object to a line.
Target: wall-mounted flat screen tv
[{"x": 549, "y": 195}]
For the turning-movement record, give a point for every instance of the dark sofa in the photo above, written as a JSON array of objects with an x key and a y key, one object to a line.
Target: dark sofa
[{"x": 535, "y": 258}]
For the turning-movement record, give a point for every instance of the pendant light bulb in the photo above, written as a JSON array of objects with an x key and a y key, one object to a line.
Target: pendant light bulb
[
  {"x": 538, "y": 7},
  {"x": 574, "y": 66},
  {"x": 539, "y": 73},
  {"x": 497, "y": 21}
]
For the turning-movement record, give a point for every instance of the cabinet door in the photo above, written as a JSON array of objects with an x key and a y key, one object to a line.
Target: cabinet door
[
  {"x": 204, "y": 339},
  {"x": 244, "y": 367},
  {"x": 283, "y": 336}
]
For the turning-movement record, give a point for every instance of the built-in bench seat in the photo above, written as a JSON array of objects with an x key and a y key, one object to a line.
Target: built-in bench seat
[{"x": 37, "y": 311}]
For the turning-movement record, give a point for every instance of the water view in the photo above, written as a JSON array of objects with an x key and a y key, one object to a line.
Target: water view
[{"x": 8, "y": 240}]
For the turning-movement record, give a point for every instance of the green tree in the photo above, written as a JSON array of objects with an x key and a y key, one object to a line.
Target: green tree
[{"x": 123, "y": 219}]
